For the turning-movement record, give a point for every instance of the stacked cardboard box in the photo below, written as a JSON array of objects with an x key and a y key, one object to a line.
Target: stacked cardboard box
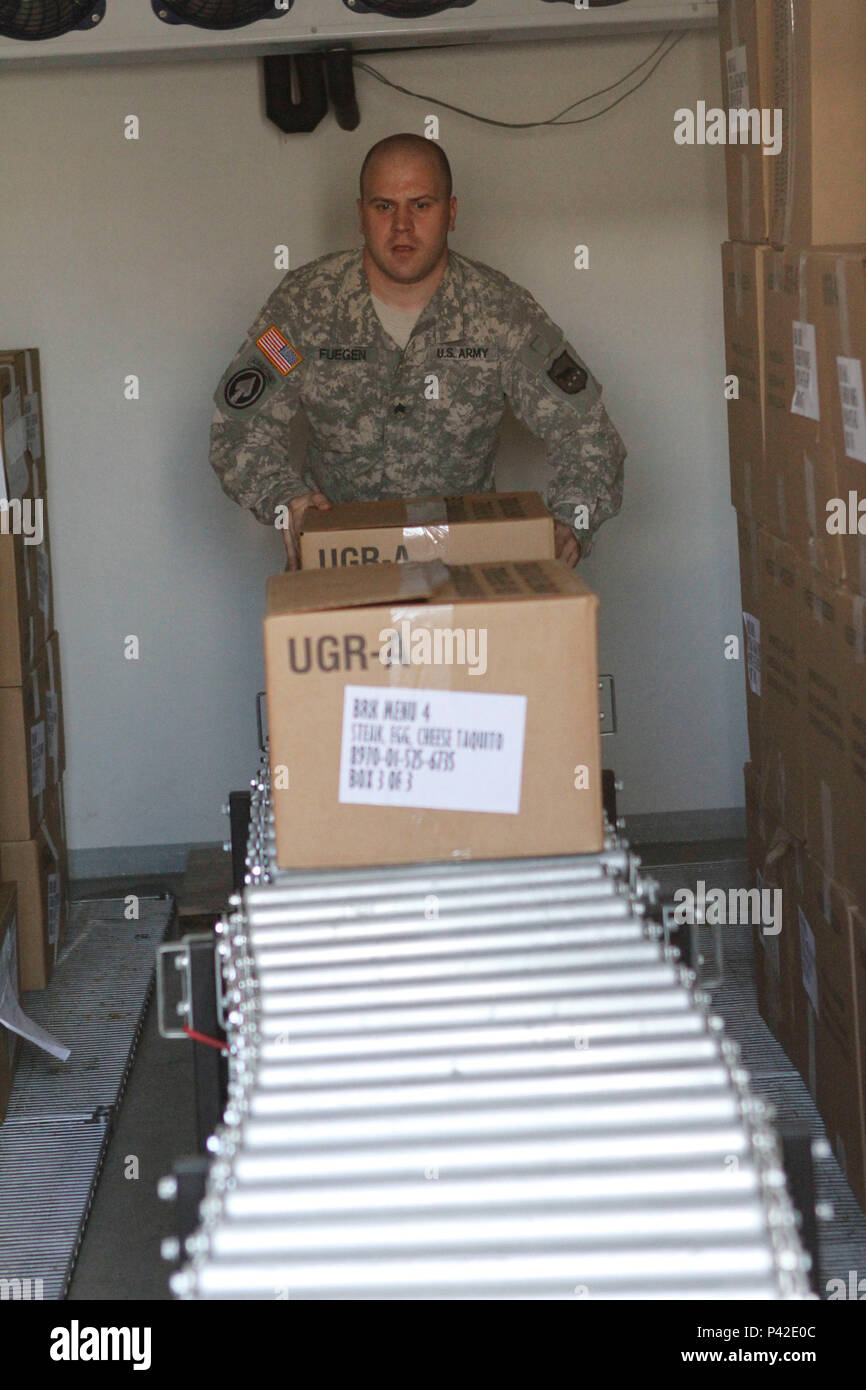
[
  {"x": 794, "y": 279},
  {"x": 9, "y": 989},
  {"x": 457, "y": 530},
  {"x": 32, "y": 748}
]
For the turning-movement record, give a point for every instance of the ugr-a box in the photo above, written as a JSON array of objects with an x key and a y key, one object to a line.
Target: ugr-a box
[
  {"x": 457, "y": 530},
  {"x": 423, "y": 712}
]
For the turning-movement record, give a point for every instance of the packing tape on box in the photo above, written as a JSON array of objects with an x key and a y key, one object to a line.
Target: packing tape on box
[
  {"x": 434, "y": 534},
  {"x": 12, "y": 1016},
  {"x": 423, "y": 630},
  {"x": 432, "y": 573},
  {"x": 430, "y": 511}
]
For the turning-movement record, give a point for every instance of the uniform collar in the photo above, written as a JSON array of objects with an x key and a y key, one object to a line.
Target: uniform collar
[{"x": 356, "y": 321}]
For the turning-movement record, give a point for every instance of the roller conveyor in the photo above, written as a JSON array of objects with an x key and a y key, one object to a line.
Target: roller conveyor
[{"x": 478, "y": 1080}]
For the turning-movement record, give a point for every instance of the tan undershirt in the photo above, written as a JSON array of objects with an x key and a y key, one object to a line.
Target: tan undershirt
[{"x": 398, "y": 322}]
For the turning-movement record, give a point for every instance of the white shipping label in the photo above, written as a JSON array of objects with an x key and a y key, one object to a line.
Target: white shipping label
[
  {"x": 805, "y": 400},
  {"x": 32, "y": 426},
  {"x": 753, "y": 651},
  {"x": 738, "y": 78},
  {"x": 851, "y": 396},
  {"x": 51, "y": 720},
  {"x": 440, "y": 750},
  {"x": 43, "y": 577},
  {"x": 37, "y": 759},
  {"x": 808, "y": 959},
  {"x": 53, "y": 908}
]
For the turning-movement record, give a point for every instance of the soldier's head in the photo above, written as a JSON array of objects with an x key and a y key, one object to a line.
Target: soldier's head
[{"x": 406, "y": 208}]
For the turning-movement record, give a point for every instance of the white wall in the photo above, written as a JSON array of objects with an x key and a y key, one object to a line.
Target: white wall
[{"x": 153, "y": 256}]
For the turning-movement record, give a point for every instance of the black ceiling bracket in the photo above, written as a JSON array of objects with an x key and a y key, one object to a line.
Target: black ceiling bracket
[
  {"x": 291, "y": 116},
  {"x": 341, "y": 87}
]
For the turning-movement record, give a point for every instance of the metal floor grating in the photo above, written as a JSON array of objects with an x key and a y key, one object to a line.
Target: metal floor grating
[
  {"x": 842, "y": 1241},
  {"x": 60, "y": 1114}
]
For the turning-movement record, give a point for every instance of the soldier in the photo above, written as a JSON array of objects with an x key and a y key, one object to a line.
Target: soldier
[{"x": 401, "y": 354}]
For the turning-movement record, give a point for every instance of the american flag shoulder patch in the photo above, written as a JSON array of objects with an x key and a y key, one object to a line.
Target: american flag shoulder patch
[{"x": 278, "y": 350}]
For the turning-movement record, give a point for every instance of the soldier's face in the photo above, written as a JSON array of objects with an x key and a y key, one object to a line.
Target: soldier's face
[{"x": 405, "y": 216}]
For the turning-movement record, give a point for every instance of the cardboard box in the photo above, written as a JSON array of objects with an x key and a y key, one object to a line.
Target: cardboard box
[
  {"x": 746, "y": 38},
  {"x": 841, "y": 306},
  {"x": 775, "y": 864},
  {"x": 32, "y": 749},
  {"x": 456, "y": 530},
  {"x": 853, "y": 629},
  {"x": 820, "y": 620},
  {"x": 418, "y": 712},
  {"x": 819, "y": 184},
  {"x": 743, "y": 278},
  {"x": 858, "y": 934},
  {"x": 782, "y": 687},
  {"x": 826, "y": 1018},
  {"x": 801, "y": 467},
  {"x": 9, "y": 985},
  {"x": 25, "y": 369},
  {"x": 748, "y": 532},
  {"x": 26, "y": 605},
  {"x": 38, "y": 868}
]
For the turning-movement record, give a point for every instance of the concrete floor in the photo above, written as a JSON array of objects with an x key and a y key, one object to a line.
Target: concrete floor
[{"x": 120, "y": 1253}]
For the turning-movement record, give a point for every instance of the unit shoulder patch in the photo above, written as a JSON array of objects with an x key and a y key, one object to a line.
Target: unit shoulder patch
[{"x": 567, "y": 374}]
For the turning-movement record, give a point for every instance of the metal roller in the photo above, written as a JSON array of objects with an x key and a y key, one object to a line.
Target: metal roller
[{"x": 478, "y": 1080}]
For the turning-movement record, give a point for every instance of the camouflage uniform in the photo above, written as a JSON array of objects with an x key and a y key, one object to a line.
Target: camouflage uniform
[{"x": 377, "y": 427}]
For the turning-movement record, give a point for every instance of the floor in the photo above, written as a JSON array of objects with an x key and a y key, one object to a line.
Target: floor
[{"x": 120, "y": 1253}]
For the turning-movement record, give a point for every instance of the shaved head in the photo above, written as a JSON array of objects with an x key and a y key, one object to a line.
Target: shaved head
[{"x": 408, "y": 144}]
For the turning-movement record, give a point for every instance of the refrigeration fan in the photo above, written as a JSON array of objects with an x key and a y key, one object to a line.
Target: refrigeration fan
[
  {"x": 405, "y": 9},
  {"x": 219, "y": 14},
  {"x": 47, "y": 19}
]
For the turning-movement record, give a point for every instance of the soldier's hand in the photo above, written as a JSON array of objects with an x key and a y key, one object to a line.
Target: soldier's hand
[
  {"x": 292, "y": 533},
  {"x": 566, "y": 544}
]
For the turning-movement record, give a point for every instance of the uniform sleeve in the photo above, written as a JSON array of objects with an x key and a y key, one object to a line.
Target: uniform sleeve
[
  {"x": 553, "y": 392},
  {"x": 255, "y": 402}
]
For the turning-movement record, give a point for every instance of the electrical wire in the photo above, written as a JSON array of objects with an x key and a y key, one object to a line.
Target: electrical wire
[{"x": 551, "y": 120}]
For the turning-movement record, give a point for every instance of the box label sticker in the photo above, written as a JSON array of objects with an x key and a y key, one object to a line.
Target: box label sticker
[
  {"x": 53, "y": 908},
  {"x": 31, "y": 425},
  {"x": 438, "y": 750},
  {"x": 738, "y": 78},
  {"x": 753, "y": 651},
  {"x": 851, "y": 397},
  {"x": 805, "y": 400},
  {"x": 809, "y": 959}
]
